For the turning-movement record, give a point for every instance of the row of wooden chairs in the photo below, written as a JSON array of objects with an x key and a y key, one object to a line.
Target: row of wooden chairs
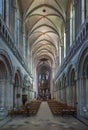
[
  {"x": 27, "y": 109},
  {"x": 59, "y": 108},
  {"x": 33, "y": 108}
]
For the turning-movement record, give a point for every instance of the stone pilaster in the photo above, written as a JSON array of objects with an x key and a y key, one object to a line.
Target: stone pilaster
[
  {"x": 67, "y": 31},
  {"x": 2, "y": 93}
]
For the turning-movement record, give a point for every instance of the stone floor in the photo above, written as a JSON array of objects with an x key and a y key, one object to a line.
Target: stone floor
[{"x": 44, "y": 120}]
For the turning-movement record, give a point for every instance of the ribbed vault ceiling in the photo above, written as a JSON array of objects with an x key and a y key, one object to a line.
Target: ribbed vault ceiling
[{"x": 44, "y": 22}]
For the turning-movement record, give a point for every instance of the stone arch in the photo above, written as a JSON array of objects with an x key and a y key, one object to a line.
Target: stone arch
[
  {"x": 18, "y": 71},
  {"x": 6, "y": 70},
  {"x": 4, "y": 57},
  {"x": 69, "y": 70},
  {"x": 82, "y": 58},
  {"x": 17, "y": 88},
  {"x": 72, "y": 90},
  {"x": 83, "y": 79}
]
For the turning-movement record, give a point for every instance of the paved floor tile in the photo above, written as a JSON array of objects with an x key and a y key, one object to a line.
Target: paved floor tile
[{"x": 44, "y": 120}]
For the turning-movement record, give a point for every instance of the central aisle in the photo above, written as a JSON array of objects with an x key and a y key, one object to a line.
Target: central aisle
[
  {"x": 44, "y": 120},
  {"x": 44, "y": 112}
]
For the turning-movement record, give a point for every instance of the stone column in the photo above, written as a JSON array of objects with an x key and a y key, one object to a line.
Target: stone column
[
  {"x": 11, "y": 95},
  {"x": 16, "y": 100},
  {"x": 57, "y": 95},
  {"x": 2, "y": 94},
  {"x": 83, "y": 11},
  {"x": 67, "y": 31},
  {"x": 64, "y": 92},
  {"x": 20, "y": 96},
  {"x": 7, "y": 12},
  {"x": 3, "y": 112},
  {"x": 8, "y": 94},
  {"x": 86, "y": 4},
  {"x": 60, "y": 95},
  {"x": 52, "y": 85},
  {"x": 73, "y": 95},
  {"x": 69, "y": 96},
  {"x": 24, "y": 45},
  {"x": 80, "y": 95},
  {"x": 78, "y": 17}
]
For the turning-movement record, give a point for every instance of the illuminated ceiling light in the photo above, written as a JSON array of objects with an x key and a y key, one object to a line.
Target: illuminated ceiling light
[{"x": 44, "y": 10}]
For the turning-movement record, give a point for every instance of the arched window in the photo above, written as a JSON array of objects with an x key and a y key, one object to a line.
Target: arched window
[
  {"x": 72, "y": 23},
  {"x": 18, "y": 30},
  {"x": 4, "y": 10},
  {"x": 1, "y": 7},
  {"x": 85, "y": 8}
]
